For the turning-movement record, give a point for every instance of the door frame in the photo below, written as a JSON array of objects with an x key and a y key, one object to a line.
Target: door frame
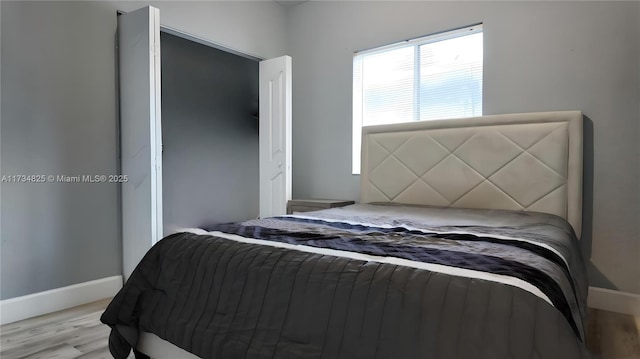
[
  {"x": 187, "y": 36},
  {"x": 132, "y": 243},
  {"x": 140, "y": 133}
]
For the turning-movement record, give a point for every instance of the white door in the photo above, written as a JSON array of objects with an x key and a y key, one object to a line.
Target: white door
[
  {"x": 275, "y": 136},
  {"x": 140, "y": 133}
]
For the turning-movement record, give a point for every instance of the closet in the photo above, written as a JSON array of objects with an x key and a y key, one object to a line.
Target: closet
[
  {"x": 205, "y": 135},
  {"x": 210, "y": 153}
]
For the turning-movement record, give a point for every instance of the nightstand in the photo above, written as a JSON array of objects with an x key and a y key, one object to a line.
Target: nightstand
[{"x": 306, "y": 205}]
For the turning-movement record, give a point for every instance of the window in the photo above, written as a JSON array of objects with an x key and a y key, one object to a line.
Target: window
[{"x": 432, "y": 77}]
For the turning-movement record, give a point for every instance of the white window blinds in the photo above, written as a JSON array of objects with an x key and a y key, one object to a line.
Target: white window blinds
[{"x": 433, "y": 77}]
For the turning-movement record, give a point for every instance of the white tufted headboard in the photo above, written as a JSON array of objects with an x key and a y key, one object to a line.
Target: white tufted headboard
[{"x": 528, "y": 161}]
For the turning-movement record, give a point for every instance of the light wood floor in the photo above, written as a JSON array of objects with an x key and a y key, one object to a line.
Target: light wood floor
[
  {"x": 78, "y": 333},
  {"x": 613, "y": 335},
  {"x": 73, "y": 333}
]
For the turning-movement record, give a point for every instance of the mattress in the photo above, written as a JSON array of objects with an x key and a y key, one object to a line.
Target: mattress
[{"x": 362, "y": 281}]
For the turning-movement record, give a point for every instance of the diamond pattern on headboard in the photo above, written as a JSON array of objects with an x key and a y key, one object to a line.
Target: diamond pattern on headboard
[{"x": 519, "y": 162}]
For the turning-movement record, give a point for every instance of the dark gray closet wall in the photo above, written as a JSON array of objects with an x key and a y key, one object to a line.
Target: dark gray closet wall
[{"x": 210, "y": 135}]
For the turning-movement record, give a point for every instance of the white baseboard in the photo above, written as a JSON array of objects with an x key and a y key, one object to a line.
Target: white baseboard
[
  {"x": 33, "y": 305},
  {"x": 614, "y": 301}
]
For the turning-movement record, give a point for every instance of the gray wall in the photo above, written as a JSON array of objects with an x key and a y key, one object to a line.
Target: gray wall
[
  {"x": 59, "y": 110},
  {"x": 209, "y": 135},
  {"x": 59, "y": 117},
  {"x": 539, "y": 56}
]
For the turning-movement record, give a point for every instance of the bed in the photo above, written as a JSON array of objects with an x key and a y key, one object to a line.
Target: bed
[{"x": 464, "y": 245}]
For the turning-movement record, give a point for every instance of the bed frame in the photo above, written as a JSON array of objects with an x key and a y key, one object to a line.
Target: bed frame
[{"x": 529, "y": 161}]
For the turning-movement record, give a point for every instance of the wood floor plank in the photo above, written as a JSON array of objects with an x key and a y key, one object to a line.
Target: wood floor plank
[
  {"x": 619, "y": 336},
  {"x": 91, "y": 339},
  {"x": 37, "y": 338},
  {"x": 33, "y": 326},
  {"x": 98, "y": 306},
  {"x": 101, "y": 353},
  {"x": 40, "y": 342},
  {"x": 97, "y": 339},
  {"x": 62, "y": 351},
  {"x": 56, "y": 334}
]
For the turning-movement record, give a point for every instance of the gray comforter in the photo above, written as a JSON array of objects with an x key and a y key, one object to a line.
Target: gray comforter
[{"x": 363, "y": 281}]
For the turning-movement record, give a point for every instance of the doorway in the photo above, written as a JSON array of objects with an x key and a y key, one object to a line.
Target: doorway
[
  {"x": 141, "y": 135},
  {"x": 210, "y": 135}
]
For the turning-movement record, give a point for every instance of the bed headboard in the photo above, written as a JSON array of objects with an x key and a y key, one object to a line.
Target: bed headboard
[{"x": 528, "y": 161}]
